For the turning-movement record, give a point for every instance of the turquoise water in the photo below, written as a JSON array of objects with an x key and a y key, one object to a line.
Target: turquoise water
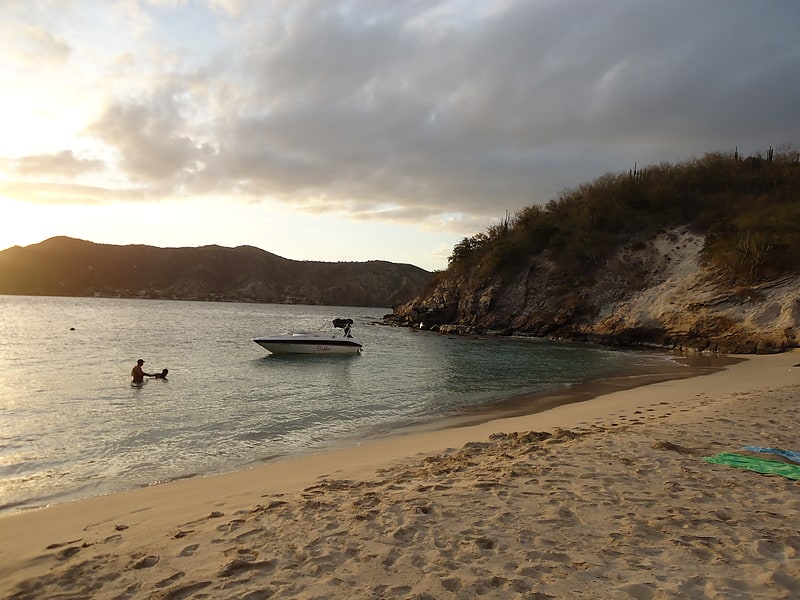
[{"x": 72, "y": 426}]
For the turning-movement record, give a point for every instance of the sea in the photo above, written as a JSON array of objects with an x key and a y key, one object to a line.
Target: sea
[{"x": 72, "y": 426}]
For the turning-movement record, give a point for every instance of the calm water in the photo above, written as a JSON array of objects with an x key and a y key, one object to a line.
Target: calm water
[{"x": 72, "y": 426}]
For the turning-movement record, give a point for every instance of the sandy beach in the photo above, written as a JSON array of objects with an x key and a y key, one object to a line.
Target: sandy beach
[{"x": 607, "y": 498}]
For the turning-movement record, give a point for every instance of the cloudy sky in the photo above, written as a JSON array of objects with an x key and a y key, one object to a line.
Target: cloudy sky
[{"x": 365, "y": 129}]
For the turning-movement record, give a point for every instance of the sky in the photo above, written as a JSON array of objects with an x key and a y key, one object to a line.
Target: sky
[{"x": 360, "y": 130}]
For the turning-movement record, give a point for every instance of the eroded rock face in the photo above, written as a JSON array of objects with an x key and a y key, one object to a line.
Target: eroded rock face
[{"x": 658, "y": 293}]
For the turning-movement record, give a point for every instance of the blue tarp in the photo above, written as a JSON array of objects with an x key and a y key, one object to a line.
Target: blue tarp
[{"x": 787, "y": 454}]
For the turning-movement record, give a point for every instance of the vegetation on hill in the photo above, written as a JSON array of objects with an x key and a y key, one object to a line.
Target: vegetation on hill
[
  {"x": 748, "y": 208},
  {"x": 64, "y": 266}
]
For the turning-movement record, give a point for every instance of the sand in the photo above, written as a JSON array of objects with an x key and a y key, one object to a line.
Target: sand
[{"x": 607, "y": 498}]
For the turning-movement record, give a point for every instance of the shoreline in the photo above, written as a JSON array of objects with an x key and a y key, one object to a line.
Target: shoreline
[
  {"x": 674, "y": 366},
  {"x": 230, "y": 534},
  {"x": 681, "y": 367}
]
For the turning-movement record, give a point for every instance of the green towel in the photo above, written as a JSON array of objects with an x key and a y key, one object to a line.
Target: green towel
[{"x": 759, "y": 465}]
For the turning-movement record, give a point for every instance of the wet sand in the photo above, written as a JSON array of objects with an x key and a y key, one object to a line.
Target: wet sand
[{"x": 606, "y": 498}]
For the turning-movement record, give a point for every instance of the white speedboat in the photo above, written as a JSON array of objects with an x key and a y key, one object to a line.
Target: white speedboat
[{"x": 313, "y": 342}]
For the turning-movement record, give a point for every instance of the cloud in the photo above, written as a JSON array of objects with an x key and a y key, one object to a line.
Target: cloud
[
  {"x": 444, "y": 111},
  {"x": 134, "y": 15},
  {"x": 369, "y": 101},
  {"x": 53, "y": 193},
  {"x": 33, "y": 45},
  {"x": 63, "y": 163},
  {"x": 153, "y": 138}
]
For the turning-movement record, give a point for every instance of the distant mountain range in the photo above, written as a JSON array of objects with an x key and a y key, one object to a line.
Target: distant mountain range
[{"x": 63, "y": 266}]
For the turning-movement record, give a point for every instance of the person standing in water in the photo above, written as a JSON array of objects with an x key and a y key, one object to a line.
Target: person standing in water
[{"x": 137, "y": 373}]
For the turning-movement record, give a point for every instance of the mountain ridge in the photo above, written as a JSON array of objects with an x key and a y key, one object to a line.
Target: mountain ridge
[{"x": 65, "y": 266}]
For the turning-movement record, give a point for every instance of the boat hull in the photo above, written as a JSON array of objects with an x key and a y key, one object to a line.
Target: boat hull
[{"x": 309, "y": 345}]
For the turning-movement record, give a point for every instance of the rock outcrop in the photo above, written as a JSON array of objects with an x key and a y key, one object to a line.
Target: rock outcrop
[{"x": 655, "y": 292}]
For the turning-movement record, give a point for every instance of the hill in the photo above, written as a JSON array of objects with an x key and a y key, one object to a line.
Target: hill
[
  {"x": 703, "y": 255},
  {"x": 63, "y": 266}
]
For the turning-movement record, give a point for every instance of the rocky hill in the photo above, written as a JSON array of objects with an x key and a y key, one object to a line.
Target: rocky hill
[
  {"x": 64, "y": 266},
  {"x": 699, "y": 257},
  {"x": 658, "y": 293}
]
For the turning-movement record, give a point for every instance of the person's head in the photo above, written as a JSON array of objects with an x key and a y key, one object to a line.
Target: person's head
[{"x": 140, "y": 362}]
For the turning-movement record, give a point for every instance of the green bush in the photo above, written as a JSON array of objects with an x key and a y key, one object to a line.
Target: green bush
[{"x": 749, "y": 207}]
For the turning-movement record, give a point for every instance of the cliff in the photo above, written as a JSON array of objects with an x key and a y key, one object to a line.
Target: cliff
[
  {"x": 64, "y": 266},
  {"x": 659, "y": 292}
]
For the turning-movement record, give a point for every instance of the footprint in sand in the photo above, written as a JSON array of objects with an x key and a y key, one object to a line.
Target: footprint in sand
[
  {"x": 231, "y": 525},
  {"x": 451, "y": 584},
  {"x": 250, "y": 533},
  {"x": 237, "y": 566},
  {"x": 67, "y": 552},
  {"x": 183, "y": 533},
  {"x": 189, "y": 550},
  {"x": 404, "y": 534},
  {"x": 146, "y": 562},
  {"x": 61, "y": 544},
  {"x": 170, "y": 580},
  {"x": 245, "y": 554}
]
